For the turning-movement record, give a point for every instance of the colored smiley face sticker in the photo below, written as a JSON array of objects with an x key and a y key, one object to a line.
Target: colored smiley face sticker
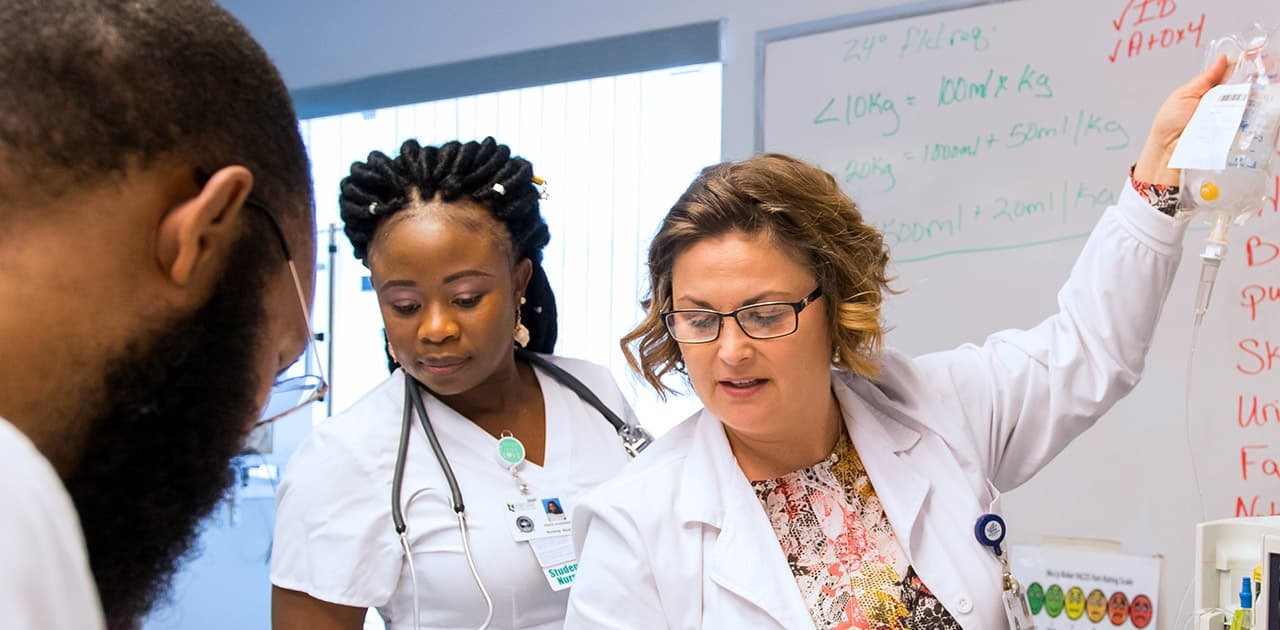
[
  {"x": 1118, "y": 608},
  {"x": 1095, "y": 606},
  {"x": 1075, "y": 603},
  {"x": 1054, "y": 600},
  {"x": 1035, "y": 597},
  {"x": 1140, "y": 611}
]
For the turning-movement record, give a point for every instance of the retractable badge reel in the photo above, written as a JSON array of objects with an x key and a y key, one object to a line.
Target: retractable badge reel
[
  {"x": 990, "y": 532},
  {"x": 511, "y": 454}
]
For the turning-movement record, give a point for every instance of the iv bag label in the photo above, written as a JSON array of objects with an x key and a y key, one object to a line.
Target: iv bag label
[{"x": 1206, "y": 141}]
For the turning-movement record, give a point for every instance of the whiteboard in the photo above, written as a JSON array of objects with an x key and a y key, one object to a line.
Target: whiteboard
[{"x": 985, "y": 141}]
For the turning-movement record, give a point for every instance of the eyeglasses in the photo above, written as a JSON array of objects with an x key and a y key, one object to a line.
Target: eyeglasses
[
  {"x": 291, "y": 393},
  {"x": 766, "y": 320}
]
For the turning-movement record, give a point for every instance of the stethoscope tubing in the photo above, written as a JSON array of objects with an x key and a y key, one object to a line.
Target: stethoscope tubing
[{"x": 635, "y": 439}]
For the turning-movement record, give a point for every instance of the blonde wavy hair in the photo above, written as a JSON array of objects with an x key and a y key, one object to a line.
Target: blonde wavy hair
[{"x": 800, "y": 208}]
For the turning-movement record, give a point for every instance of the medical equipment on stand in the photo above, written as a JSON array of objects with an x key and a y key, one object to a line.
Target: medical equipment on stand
[
  {"x": 634, "y": 439},
  {"x": 1227, "y": 553},
  {"x": 1236, "y": 188},
  {"x": 1266, "y": 598}
]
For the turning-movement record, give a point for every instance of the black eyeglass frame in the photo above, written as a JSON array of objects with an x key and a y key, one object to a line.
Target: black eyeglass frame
[{"x": 796, "y": 308}]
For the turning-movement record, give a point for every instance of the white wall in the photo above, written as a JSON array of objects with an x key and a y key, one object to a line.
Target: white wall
[{"x": 319, "y": 42}]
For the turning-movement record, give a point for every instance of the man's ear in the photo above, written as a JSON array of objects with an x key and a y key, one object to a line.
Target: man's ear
[{"x": 194, "y": 236}]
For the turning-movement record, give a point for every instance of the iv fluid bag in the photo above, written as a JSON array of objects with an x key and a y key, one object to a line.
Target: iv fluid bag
[{"x": 1242, "y": 186}]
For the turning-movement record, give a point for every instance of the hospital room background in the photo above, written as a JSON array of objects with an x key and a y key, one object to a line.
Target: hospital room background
[{"x": 618, "y": 105}]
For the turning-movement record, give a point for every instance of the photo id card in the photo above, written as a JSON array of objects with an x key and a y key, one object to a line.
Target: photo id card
[{"x": 536, "y": 518}]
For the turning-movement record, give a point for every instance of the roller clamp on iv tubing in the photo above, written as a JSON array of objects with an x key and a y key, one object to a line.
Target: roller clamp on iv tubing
[{"x": 1215, "y": 249}]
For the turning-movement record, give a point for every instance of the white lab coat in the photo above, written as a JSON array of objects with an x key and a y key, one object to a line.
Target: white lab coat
[{"x": 679, "y": 540}]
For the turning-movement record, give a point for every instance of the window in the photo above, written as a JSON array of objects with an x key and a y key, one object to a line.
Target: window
[{"x": 616, "y": 152}]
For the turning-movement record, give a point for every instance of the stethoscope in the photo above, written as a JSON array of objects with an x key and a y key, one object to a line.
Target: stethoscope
[{"x": 634, "y": 439}]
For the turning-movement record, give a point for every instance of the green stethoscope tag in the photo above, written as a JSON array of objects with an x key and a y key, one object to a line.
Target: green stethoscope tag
[{"x": 510, "y": 449}]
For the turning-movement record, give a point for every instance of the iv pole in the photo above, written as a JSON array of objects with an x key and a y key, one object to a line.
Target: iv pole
[{"x": 333, "y": 255}]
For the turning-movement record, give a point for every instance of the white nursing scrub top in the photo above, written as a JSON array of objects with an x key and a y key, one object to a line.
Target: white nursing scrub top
[{"x": 335, "y": 540}]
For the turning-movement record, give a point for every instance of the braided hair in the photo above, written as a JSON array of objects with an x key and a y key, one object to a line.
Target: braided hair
[{"x": 484, "y": 172}]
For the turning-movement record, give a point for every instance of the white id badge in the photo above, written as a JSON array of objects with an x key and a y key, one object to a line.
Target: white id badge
[
  {"x": 535, "y": 518},
  {"x": 1017, "y": 610}
]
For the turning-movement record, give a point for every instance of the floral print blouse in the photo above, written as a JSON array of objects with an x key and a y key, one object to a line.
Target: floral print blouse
[{"x": 846, "y": 559}]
